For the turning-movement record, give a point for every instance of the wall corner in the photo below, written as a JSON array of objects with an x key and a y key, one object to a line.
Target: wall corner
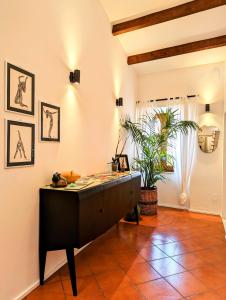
[{"x": 224, "y": 223}]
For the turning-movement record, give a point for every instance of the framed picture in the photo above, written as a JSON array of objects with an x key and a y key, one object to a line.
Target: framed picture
[
  {"x": 20, "y": 90},
  {"x": 50, "y": 122},
  {"x": 123, "y": 162},
  {"x": 20, "y": 144}
]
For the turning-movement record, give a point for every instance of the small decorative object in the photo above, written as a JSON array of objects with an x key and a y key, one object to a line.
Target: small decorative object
[
  {"x": 70, "y": 176},
  {"x": 20, "y": 143},
  {"x": 58, "y": 180},
  {"x": 20, "y": 90},
  {"x": 75, "y": 77},
  {"x": 208, "y": 138},
  {"x": 50, "y": 122},
  {"x": 115, "y": 160},
  {"x": 123, "y": 164},
  {"x": 183, "y": 198},
  {"x": 114, "y": 164}
]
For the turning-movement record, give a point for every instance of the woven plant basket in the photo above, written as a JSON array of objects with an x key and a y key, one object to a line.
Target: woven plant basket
[{"x": 148, "y": 202}]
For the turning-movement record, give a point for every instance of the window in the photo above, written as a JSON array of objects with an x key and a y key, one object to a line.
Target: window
[{"x": 167, "y": 161}]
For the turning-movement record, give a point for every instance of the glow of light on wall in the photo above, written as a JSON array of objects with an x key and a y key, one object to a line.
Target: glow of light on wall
[
  {"x": 116, "y": 116},
  {"x": 208, "y": 95},
  {"x": 117, "y": 79},
  {"x": 115, "y": 126},
  {"x": 116, "y": 120},
  {"x": 117, "y": 87},
  {"x": 72, "y": 38},
  {"x": 71, "y": 97},
  {"x": 117, "y": 82},
  {"x": 210, "y": 85},
  {"x": 72, "y": 51},
  {"x": 208, "y": 119}
]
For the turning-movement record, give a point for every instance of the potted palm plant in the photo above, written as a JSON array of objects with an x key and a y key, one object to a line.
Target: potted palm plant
[{"x": 152, "y": 135}]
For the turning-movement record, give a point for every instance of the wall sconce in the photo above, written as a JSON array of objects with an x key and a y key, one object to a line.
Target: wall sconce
[
  {"x": 207, "y": 107},
  {"x": 119, "y": 102},
  {"x": 75, "y": 76}
]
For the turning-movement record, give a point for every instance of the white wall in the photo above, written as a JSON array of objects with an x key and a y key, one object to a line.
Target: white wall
[
  {"x": 51, "y": 38},
  {"x": 224, "y": 156},
  {"x": 208, "y": 82}
]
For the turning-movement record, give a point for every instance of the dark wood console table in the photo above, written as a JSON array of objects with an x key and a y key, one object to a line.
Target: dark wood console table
[{"x": 70, "y": 219}]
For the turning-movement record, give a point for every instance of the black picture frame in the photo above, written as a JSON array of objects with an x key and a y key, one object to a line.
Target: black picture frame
[
  {"x": 42, "y": 112},
  {"x": 10, "y": 163},
  {"x": 11, "y": 108},
  {"x": 125, "y": 157}
]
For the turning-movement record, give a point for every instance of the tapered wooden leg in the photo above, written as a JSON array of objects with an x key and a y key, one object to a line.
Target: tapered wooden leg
[
  {"x": 42, "y": 263},
  {"x": 137, "y": 214},
  {"x": 71, "y": 266}
]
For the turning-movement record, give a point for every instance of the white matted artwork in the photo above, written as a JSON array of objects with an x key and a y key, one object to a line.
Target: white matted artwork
[
  {"x": 20, "y": 90},
  {"x": 20, "y": 143},
  {"x": 50, "y": 122}
]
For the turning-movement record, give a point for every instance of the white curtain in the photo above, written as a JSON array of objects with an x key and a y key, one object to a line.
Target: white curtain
[{"x": 184, "y": 146}]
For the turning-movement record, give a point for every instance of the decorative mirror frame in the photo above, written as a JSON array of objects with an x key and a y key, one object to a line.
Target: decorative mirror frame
[{"x": 208, "y": 138}]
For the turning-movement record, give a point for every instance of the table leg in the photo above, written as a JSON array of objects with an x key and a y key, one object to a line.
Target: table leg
[
  {"x": 71, "y": 266},
  {"x": 137, "y": 214},
  {"x": 42, "y": 262}
]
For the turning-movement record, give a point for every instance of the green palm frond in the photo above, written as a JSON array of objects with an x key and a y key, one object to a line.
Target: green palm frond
[{"x": 152, "y": 146}]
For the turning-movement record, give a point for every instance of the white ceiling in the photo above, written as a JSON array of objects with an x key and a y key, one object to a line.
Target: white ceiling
[
  {"x": 195, "y": 27},
  {"x": 118, "y": 10},
  {"x": 182, "y": 61},
  {"x": 175, "y": 32}
]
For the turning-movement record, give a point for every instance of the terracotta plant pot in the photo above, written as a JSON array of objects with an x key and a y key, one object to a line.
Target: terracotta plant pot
[{"x": 148, "y": 202}]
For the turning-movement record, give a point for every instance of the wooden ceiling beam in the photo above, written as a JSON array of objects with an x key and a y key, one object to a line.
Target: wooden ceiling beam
[
  {"x": 216, "y": 42},
  {"x": 169, "y": 14}
]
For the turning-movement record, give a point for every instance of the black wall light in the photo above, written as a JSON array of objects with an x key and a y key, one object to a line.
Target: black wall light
[
  {"x": 75, "y": 76},
  {"x": 119, "y": 102},
  {"x": 207, "y": 107}
]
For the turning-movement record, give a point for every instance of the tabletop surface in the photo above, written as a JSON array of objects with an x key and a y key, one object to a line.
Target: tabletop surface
[{"x": 94, "y": 180}]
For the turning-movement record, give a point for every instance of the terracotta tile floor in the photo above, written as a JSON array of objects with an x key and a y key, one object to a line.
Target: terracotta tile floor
[{"x": 174, "y": 255}]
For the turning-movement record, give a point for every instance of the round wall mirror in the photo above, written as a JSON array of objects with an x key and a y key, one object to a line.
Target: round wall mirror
[{"x": 208, "y": 138}]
